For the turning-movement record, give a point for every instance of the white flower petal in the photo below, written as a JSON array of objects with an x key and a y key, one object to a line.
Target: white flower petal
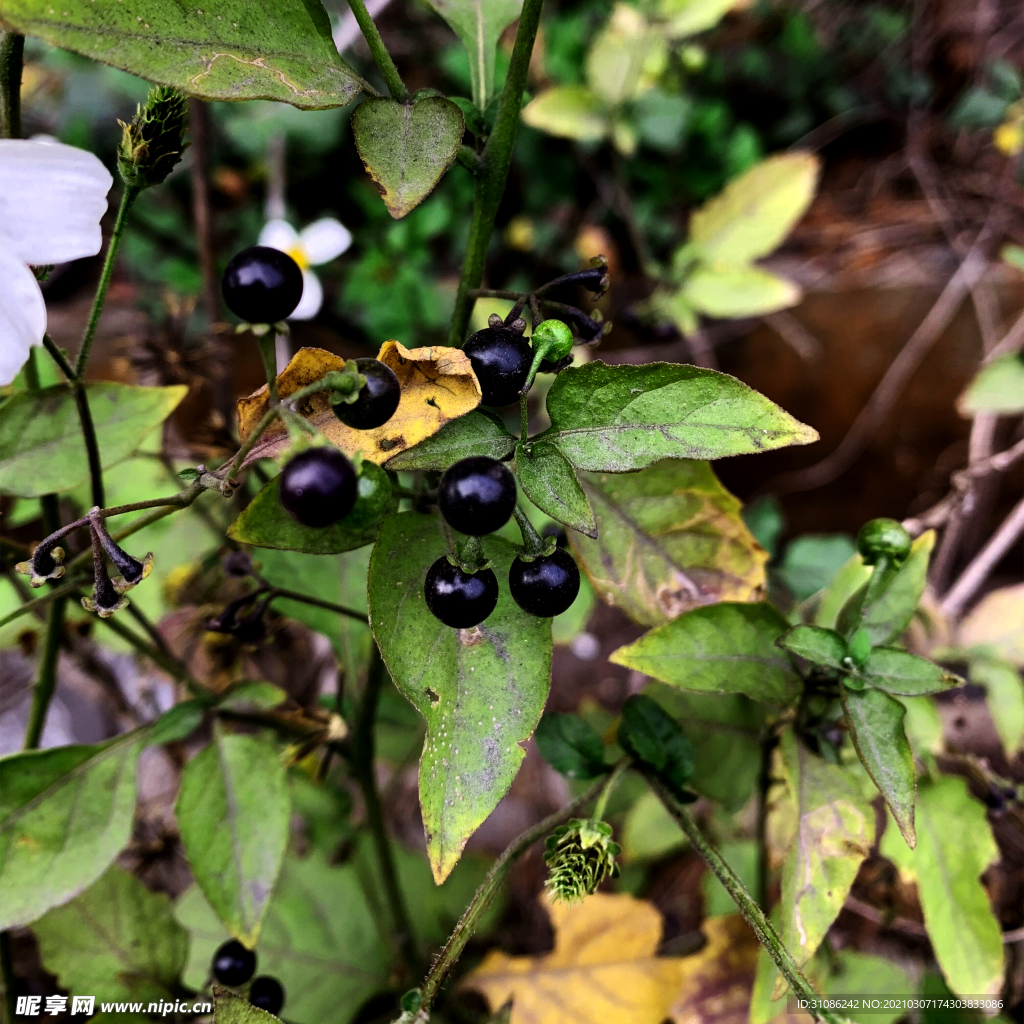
[
  {"x": 22, "y": 314},
  {"x": 324, "y": 240},
  {"x": 312, "y": 297},
  {"x": 279, "y": 234},
  {"x": 52, "y": 197}
]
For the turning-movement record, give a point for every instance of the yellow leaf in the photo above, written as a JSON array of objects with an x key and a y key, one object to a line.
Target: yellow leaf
[
  {"x": 603, "y": 969},
  {"x": 438, "y": 385}
]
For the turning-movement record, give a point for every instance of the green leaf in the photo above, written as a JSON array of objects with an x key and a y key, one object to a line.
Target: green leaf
[
  {"x": 811, "y": 562},
  {"x": 617, "y": 418},
  {"x": 177, "y": 723},
  {"x": 649, "y": 832},
  {"x": 319, "y": 940},
  {"x": 860, "y": 974},
  {"x": 997, "y": 388},
  {"x": 550, "y": 483},
  {"x": 41, "y": 441},
  {"x": 1013, "y": 255},
  {"x": 755, "y": 211},
  {"x": 835, "y": 828},
  {"x": 481, "y": 691},
  {"x": 688, "y": 17},
  {"x": 406, "y": 148},
  {"x": 906, "y": 675},
  {"x": 875, "y": 721},
  {"x": 264, "y": 522},
  {"x": 817, "y": 645},
  {"x": 955, "y": 845},
  {"x": 723, "y": 648},
  {"x": 849, "y": 578},
  {"x": 233, "y": 813},
  {"x": 479, "y": 24},
  {"x": 65, "y": 814},
  {"x": 476, "y": 433},
  {"x": 570, "y": 112},
  {"x": 229, "y": 1008},
  {"x": 620, "y": 55},
  {"x": 1004, "y": 694},
  {"x": 224, "y": 50},
  {"x": 669, "y": 538},
  {"x": 253, "y": 695},
  {"x": 117, "y": 940},
  {"x": 648, "y": 733},
  {"x": 738, "y": 291},
  {"x": 570, "y": 746}
]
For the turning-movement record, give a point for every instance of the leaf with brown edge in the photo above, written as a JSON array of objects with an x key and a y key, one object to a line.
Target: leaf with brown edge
[{"x": 438, "y": 385}]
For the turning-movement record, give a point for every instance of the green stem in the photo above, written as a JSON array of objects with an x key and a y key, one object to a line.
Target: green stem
[
  {"x": 46, "y": 681},
  {"x": 747, "y": 905},
  {"x": 59, "y": 357},
  {"x": 316, "y": 602},
  {"x": 489, "y": 186},
  {"x": 128, "y": 197},
  {"x": 532, "y": 540},
  {"x": 38, "y": 603},
  {"x": 362, "y": 766},
  {"x": 764, "y": 784},
  {"x": 602, "y": 801},
  {"x": 524, "y": 416},
  {"x": 268, "y": 353},
  {"x": 12, "y": 57},
  {"x": 385, "y": 64}
]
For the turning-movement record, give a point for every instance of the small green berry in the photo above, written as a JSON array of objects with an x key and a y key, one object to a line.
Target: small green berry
[
  {"x": 553, "y": 338},
  {"x": 883, "y": 538}
]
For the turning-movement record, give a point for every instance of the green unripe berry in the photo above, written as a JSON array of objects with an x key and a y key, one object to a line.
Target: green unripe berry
[
  {"x": 553, "y": 338},
  {"x": 883, "y": 538}
]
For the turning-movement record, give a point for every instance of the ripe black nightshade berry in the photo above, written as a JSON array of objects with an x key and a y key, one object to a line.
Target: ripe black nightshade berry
[
  {"x": 318, "y": 487},
  {"x": 378, "y": 397},
  {"x": 546, "y": 586},
  {"x": 460, "y": 599},
  {"x": 501, "y": 360},
  {"x": 477, "y": 495},
  {"x": 267, "y": 993},
  {"x": 233, "y": 964},
  {"x": 262, "y": 285}
]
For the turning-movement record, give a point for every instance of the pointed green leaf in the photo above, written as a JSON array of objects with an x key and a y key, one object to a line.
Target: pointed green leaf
[
  {"x": 265, "y": 523},
  {"x": 738, "y": 291},
  {"x": 670, "y": 538},
  {"x": 406, "y": 148},
  {"x": 906, "y": 675},
  {"x": 570, "y": 746},
  {"x": 755, "y": 211},
  {"x": 875, "y": 721},
  {"x": 221, "y": 50},
  {"x": 955, "y": 845},
  {"x": 550, "y": 483},
  {"x": 233, "y": 812},
  {"x": 65, "y": 814},
  {"x": 481, "y": 691},
  {"x": 850, "y": 577},
  {"x": 723, "y": 648},
  {"x": 617, "y": 418},
  {"x": 476, "y": 433},
  {"x": 229, "y": 1008},
  {"x": 41, "y": 440},
  {"x": 1004, "y": 694},
  {"x": 997, "y": 388},
  {"x": 817, "y": 645},
  {"x": 648, "y": 733},
  {"x": 117, "y": 940},
  {"x": 570, "y": 112}
]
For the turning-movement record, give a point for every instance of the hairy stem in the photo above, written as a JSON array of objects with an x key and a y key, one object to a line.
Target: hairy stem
[
  {"x": 489, "y": 185},
  {"x": 531, "y": 538},
  {"x": 12, "y": 56},
  {"x": 385, "y": 65}
]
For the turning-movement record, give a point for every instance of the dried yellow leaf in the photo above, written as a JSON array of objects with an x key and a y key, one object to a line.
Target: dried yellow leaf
[
  {"x": 604, "y": 970},
  {"x": 438, "y": 385}
]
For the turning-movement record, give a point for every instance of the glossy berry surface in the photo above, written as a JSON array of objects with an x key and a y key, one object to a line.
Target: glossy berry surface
[
  {"x": 233, "y": 964},
  {"x": 262, "y": 285},
  {"x": 318, "y": 487},
  {"x": 267, "y": 993},
  {"x": 459, "y": 599},
  {"x": 378, "y": 397},
  {"x": 545, "y": 586},
  {"x": 883, "y": 538},
  {"x": 477, "y": 495},
  {"x": 501, "y": 361}
]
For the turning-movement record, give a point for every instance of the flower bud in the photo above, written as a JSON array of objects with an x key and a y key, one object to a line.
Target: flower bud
[
  {"x": 883, "y": 538},
  {"x": 106, "y": 598},
  {"x": 45, "y": 563},
  {"x": 153, "y": 143},
  {"x": 132, "y": 570},
  {"x": 580, "y": 855}
]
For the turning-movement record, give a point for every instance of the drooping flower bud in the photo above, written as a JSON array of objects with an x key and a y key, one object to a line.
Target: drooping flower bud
[
  {"x": 580, "y": 855},
  {"x": 106, "y": 598},
  {"x": 153, "y": 143},
  {"x": 132, "y": 570},
  {"x": 45, "y": 563}
]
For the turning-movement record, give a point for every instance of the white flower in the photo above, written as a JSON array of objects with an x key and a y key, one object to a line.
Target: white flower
[
  {"x": 324, "y": 240},
  {"x": 52, "y": 197}
]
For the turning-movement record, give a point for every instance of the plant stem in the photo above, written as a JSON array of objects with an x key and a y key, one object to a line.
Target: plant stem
[
  {"x": 489, "y": 186},
  {"x": 12, "y": 57},
  {"x": 362, "y": 767},
  {"x": 293, "y": 595},
  {"x": 764, "y": 784},
  {"x": 268, "y": 353},
  {"x": 46, "y": 681},
  {"x": 602, "y": 801},
  {"x": 747, "y": 905},
  {"x": 128, "y": 197},
  {"x": 531, "y": 538},
  {"x": 524, "y": 417},
  {"x": 41, "y": 602},
  {"x": 385, "y": 65}
]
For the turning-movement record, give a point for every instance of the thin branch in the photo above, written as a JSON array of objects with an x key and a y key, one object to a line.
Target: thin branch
[
  {"x": 316, "y": 602},
  {"x": 12, "y": 56},
  {"x": 385, "y": 65},
  {"x": 46, "y": 680}
]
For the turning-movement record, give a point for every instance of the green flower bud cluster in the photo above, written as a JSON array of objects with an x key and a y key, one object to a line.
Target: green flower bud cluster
[
  {"x": 580, "y": 855},
  {"x": 153, "y": 143}
]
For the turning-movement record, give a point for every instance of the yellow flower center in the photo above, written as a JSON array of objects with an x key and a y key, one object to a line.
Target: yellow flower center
[{"x": 298, "y": 254}]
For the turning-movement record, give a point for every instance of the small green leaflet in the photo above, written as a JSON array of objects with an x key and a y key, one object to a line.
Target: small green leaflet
[
  {"x": 570, "y": 746},
  {"x": 229, "y": 1008},
  {"x": 738, "y": 291},
  {"x": 550, "y": 483},
  {"x": 906, "y": 675},
  {"x": 476, "y": 433},
  {"x": 997, "y": 388},
  {"x": 814, "y": 644},
  {"x": 649, "y": 733}
]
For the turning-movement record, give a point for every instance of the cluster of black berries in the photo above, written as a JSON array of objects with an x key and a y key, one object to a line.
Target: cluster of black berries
[
  {"x": 233, "y": 965},
  {"x": 476, "y": 496}
]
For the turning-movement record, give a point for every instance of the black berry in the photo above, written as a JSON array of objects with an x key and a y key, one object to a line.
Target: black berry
[
  {"x": 378, "y": 397},
  {"x": 477, "y": 495},
  {"x": 318, "y": 487},
  {"x": 267, "y": 993},
  {"x": 460, "y": 599},
  {"x": 501, "y": 361},
  {"x": 233, "y": 964},
  {"x": 545, "y": 586},
  {"x": 262, "y": 285}
]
